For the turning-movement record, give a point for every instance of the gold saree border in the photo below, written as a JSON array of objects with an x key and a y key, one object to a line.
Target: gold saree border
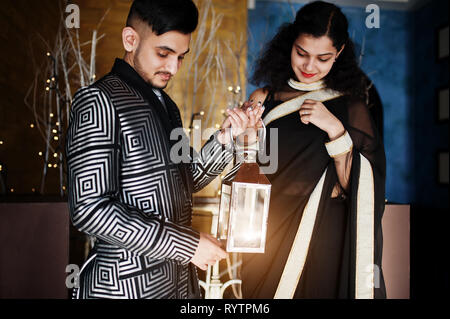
[{"x": 299, "y": 251}]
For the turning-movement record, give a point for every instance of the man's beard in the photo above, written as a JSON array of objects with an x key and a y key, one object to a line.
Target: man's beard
[{"x": 140, "y": 71}]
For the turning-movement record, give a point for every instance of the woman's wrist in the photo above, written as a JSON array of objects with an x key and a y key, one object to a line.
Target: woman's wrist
[{"x": 336, "y": 131}]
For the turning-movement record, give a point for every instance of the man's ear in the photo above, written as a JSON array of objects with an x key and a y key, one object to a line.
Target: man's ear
[{"x": 130, "y": 39}]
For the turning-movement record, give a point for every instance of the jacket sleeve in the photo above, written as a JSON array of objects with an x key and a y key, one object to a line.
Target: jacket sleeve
[
  {"x": 93, "y": 153},
  {"x": 210, "y": 162}
]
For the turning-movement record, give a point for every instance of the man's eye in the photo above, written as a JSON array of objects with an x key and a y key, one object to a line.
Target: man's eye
[
  {"x": 300, "y": 54},
  {"x": 181, "y": 58},
  {"x": 163, "y": 55},
  {"x": 324, "y": 60}
]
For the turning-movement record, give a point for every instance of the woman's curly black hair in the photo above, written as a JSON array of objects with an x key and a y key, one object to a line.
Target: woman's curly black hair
[{"x": 318, "y": 19}]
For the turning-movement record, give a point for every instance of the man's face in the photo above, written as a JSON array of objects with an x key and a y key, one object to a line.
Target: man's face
[{"x": 158, "y": 58}]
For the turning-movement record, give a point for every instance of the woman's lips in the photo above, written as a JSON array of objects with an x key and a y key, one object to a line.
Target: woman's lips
[{"x": 307, "y": 75}]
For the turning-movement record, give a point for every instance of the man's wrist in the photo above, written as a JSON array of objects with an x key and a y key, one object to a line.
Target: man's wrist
[{"x": 223, "y": 138}]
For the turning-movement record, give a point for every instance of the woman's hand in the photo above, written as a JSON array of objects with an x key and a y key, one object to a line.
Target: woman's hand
[
  {"x": 241, "y": 120},
  {"x": 316, "y": 113}
]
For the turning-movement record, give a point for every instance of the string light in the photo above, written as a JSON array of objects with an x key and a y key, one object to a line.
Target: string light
[
  {"x": 55, "y": 138},
  {"x": 51, "y": 115},
  {"x": 55, "y": 166},
  {"x": 1, "y": 142},
  {"x": 64, "y": 188},
  {"x": 48, "y": 54},
  {"x": 33, "y": 190},
  {"x": 47, "y": 89},
  {"x": 202, "y": 113},
  {"x": 55, "y": 155},
  {"x": 217, "y": 125},
  {"x": 40, "y": 153},
  {"x": 57, "y": 123},
  {"x": 48, "y": 81},
  {"x": 1, "y": 168},
  {"x": 32, "y": 125},
  {"x": 12, "y": 190},
  {"x": 49, "y": 165},
  {"x": 54, "y": 131}
]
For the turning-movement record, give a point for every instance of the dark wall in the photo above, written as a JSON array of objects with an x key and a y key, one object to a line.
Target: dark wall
[
  {"x": 429, "y": 216},
  {"x": 430, "y": 136}
]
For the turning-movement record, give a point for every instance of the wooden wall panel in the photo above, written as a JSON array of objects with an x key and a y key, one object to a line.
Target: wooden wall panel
[{"x": 22, "y": 23}]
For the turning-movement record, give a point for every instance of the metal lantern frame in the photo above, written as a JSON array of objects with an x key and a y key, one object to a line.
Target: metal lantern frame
[{"x": 244, "y": 207}]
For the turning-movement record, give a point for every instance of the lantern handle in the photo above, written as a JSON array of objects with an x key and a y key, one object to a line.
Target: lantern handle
[{"x": 262, "y": 141}]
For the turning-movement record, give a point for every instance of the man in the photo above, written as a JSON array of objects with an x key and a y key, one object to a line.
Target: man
[{"x": 124, "y": 189}]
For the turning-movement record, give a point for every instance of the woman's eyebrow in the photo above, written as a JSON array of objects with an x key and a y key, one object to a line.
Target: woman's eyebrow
[{"x": 330, "y": 53}]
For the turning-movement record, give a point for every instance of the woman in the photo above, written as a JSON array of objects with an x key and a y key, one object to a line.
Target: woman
[{"x": 328, "y": 190}]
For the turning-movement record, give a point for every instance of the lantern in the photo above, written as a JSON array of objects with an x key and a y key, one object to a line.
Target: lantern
[{"x": 244, "y": 207}]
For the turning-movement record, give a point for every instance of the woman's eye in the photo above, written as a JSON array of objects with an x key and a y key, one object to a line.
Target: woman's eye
[
  {"x": 324, "y": 60},
  {"x": 300, "y": 54},
  {"x": 162, "y": 55}
]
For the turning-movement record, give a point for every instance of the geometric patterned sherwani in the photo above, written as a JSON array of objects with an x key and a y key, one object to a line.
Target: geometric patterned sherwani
[{"x": 125, "y": 190}]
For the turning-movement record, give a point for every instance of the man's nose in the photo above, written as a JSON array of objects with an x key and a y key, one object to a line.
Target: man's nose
[{"x": 172, "y": 66}]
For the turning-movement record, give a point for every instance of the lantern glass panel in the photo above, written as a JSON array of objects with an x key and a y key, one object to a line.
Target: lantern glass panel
[
  {"x": 248, "y": 219},
  {"x": 224, "y": 212}
]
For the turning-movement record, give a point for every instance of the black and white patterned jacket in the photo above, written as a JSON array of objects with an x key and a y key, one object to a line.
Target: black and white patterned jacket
[{"x": 125, "y": 190}]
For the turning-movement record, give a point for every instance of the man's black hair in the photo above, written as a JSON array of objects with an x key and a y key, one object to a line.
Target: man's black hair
[{"x": 165, "y": 15}]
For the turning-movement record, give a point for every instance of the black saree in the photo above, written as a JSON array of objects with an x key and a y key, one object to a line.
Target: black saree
[{"x": 337, "y": 248}]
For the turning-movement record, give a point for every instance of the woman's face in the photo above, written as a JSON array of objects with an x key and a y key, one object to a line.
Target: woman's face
[{"x": 312, "y": 58}]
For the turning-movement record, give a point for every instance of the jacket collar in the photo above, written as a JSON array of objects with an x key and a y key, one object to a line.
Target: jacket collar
[{"x": 127, "y": 73}]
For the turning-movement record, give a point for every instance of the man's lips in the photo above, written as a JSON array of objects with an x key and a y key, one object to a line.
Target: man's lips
[
  {"x": 165, "y": 76},
  {"x": 307, "y": 75}
]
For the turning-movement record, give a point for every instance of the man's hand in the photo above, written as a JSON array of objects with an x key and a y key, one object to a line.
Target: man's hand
[
  {"x": 241, "y": 119},
  {"x": 208, "y": 252}
]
